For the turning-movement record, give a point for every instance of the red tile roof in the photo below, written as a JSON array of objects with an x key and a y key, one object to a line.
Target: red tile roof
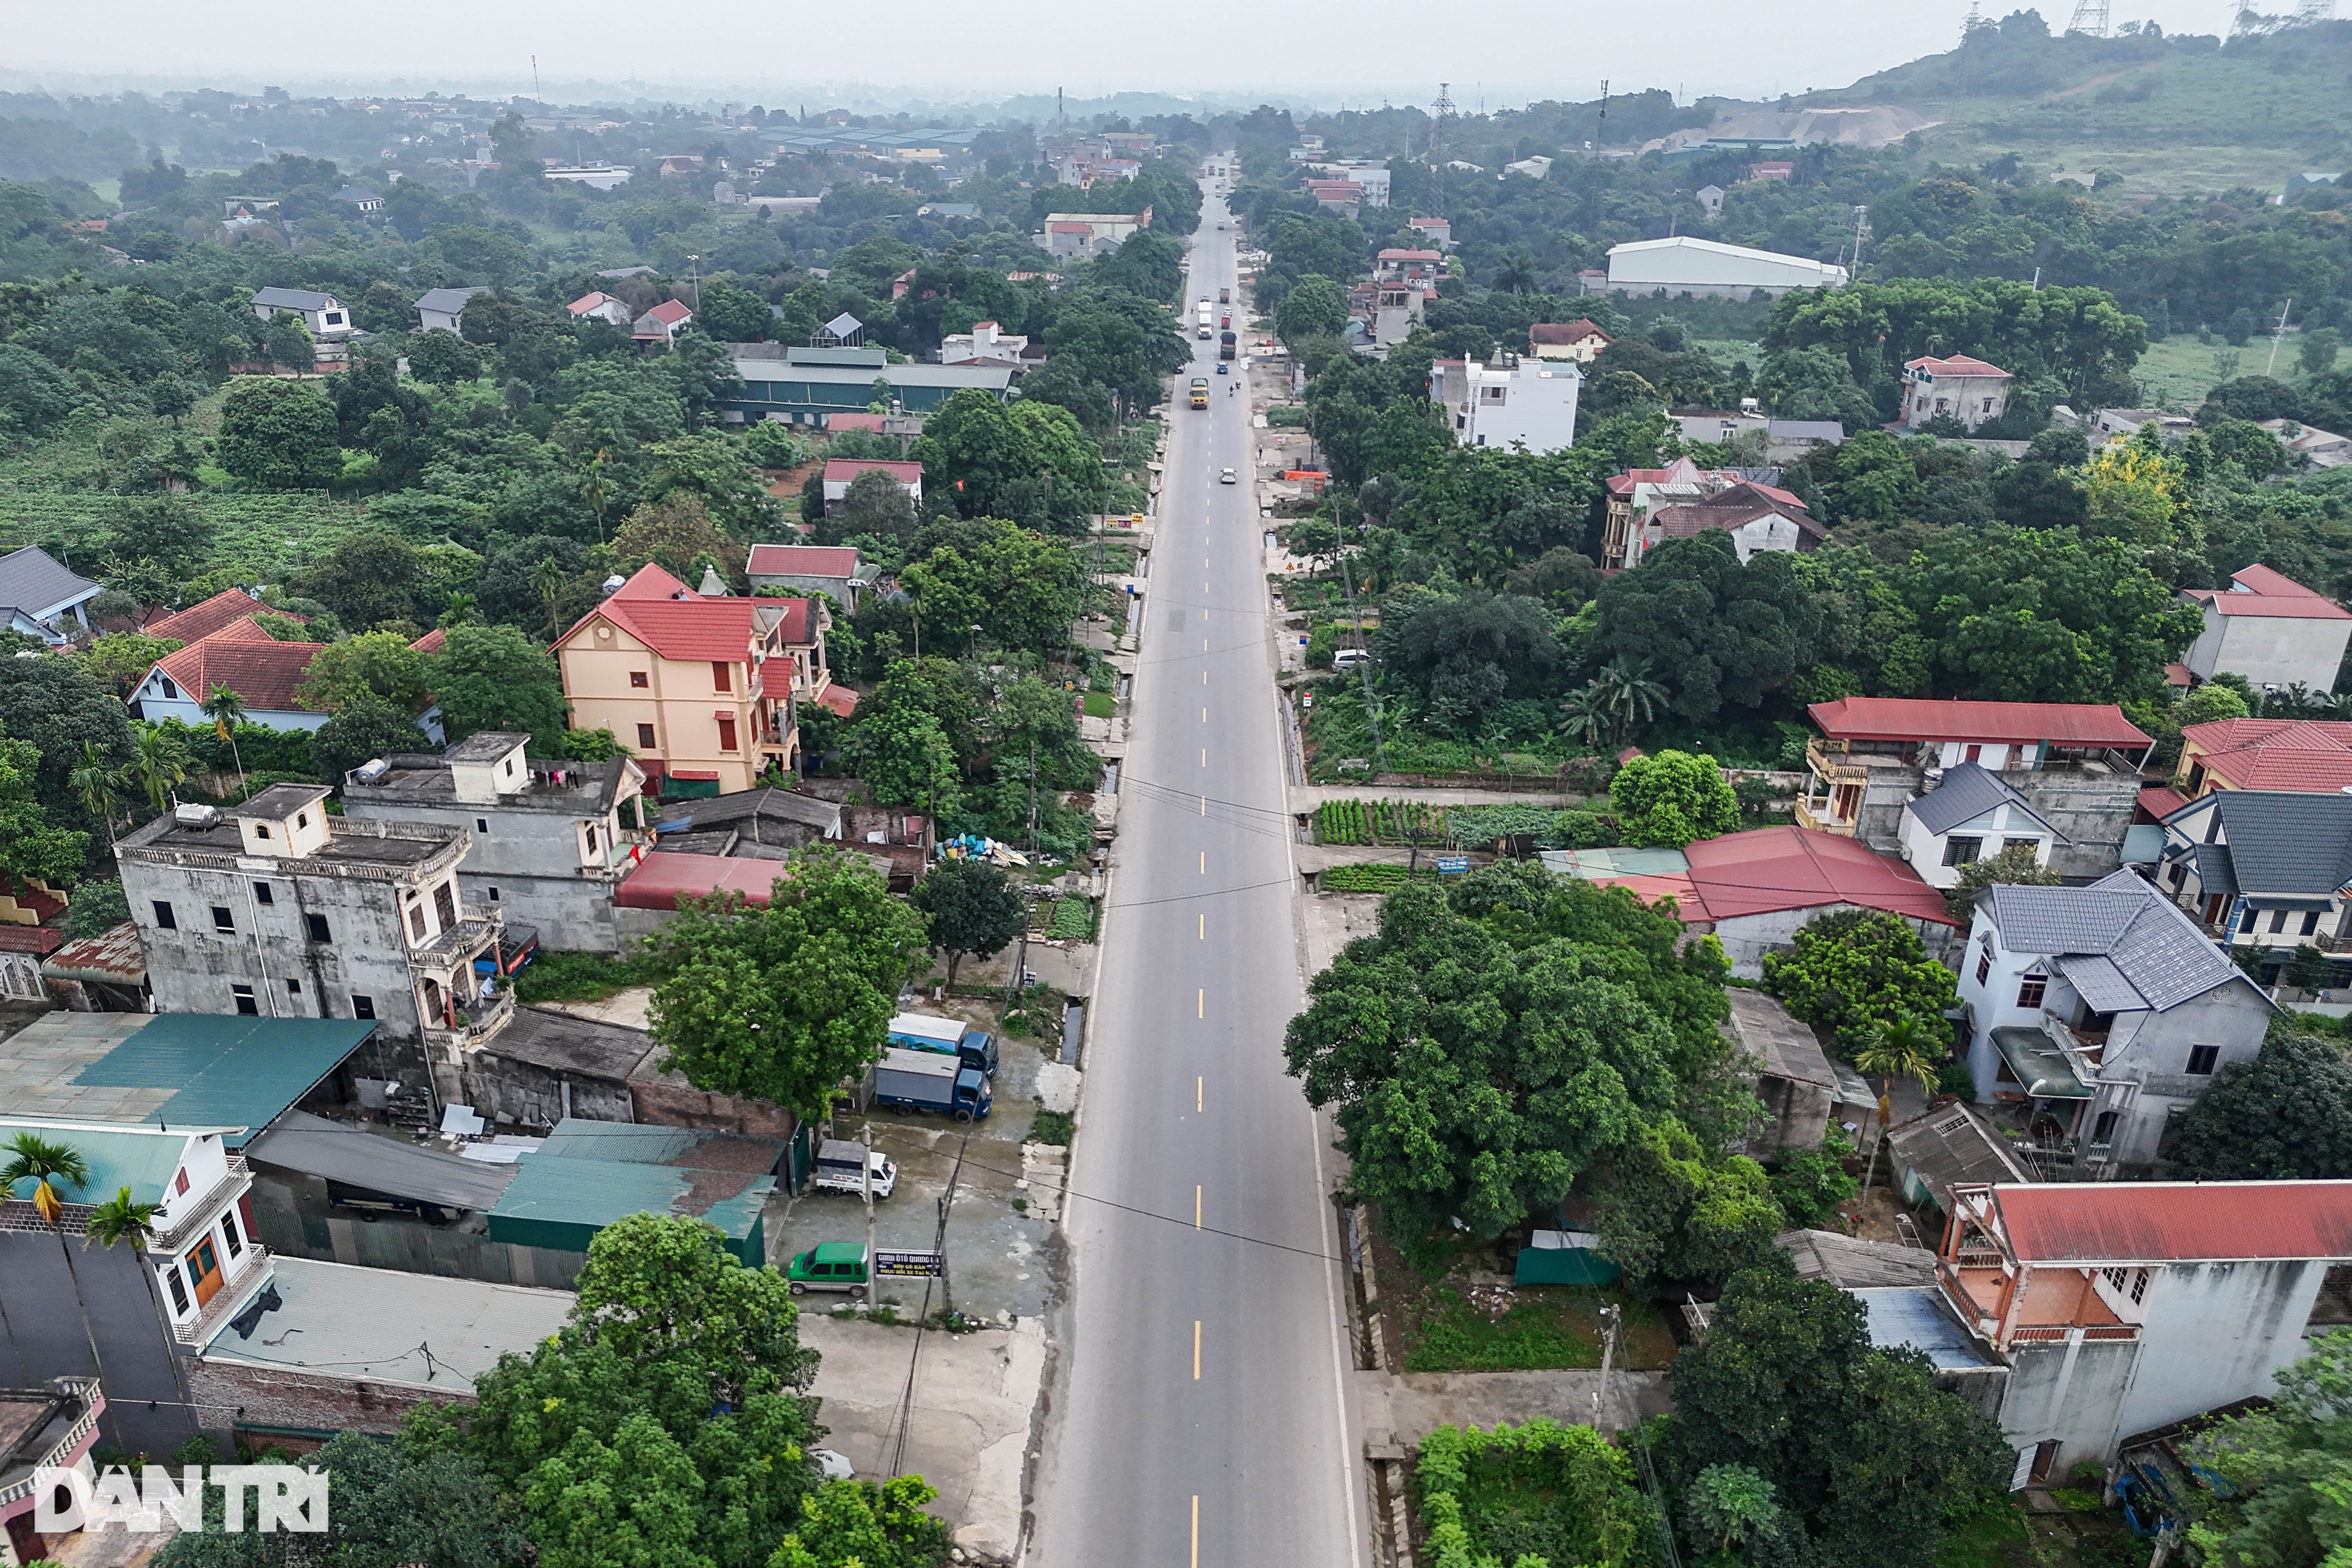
[
  {"x": 1071, "y": 228},
  {"x": 1768, "y": 869},
  {"x": 590, "y": 302},
  {"x": 41, "y": 940},
  {"x": 840, "y": 699},
  {"x": 2263, "y": 592},
  {"x": 1959, "y": 365},
  {"x": 801, "y": 560},
  {"x": 1412, "y": 256},
  {"x": 670, "y": 313},
  {"x": 675, "y": 622},
  {"x": 2313, "y": 756},
  {"x": 853, "y": 422},
  {"x": 664, "y": 874},
  {"x": 2157, "y": 802},
  {"x": 202, "y": 620},
  {"x": 1565, "y": 332},
  {"x": 841, "y": 470},
  {"x": 431, "y": 642},
  {"x": 265, "y": 672},
  {"x": 1930, "y": 718},
  {"x": 2170, "y": 1222}
]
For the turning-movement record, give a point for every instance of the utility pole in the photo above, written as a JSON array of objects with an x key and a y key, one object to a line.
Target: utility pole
[
  {"x": 1601, "y": 126},
  {"x": 870, "y": 1276},
  {"x": 1611, "y": 1321},
  {"x": 2276, "y": 335},
  {"x": 535, "y": 94}
]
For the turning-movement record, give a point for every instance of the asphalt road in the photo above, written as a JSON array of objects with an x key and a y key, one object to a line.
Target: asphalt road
[{"x": 1197, "y": 1413}]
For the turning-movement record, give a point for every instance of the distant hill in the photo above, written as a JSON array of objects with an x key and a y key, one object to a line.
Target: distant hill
[{"x": 2170, "y": 114}]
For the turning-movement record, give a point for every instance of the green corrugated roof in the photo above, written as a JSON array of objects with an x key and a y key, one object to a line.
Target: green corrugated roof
[
  {"x": 590, "y": 1173},
  {"x": 143, "y": 1162},
  {"x": 227, "y": 1071}
]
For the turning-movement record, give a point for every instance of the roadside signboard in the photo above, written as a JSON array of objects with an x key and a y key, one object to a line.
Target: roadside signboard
[
  {"x": 1453, "y": 865},
  {"x": 909, "y": 1264}
]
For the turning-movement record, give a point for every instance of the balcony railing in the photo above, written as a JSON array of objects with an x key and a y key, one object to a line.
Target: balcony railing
[
  {"x": 168, "y": 1238},
  {"x": 458, "y": 944},
  {"x": 479, "y": 1021},
  {"x": 1816, "y": 815},
  {"x": 235, "y": 1293},
  {"x": 84, "y": 1389}
]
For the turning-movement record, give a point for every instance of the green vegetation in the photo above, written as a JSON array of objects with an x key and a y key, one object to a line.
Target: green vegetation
[
  {"x": 1074, "y": 920},
  {"x": 1367, "y": 877},
  {"x": 1538, "y": 1493},
  {"x": 586, "y": 977}
]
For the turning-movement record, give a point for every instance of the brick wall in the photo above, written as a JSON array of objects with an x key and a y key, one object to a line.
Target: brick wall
[{"x": 307, "y": 1401}]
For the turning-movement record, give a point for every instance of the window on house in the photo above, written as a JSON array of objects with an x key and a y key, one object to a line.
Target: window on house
[
  {"x": 261, "y": 830},
  {"x": 223, "y": 920},
  {"x": 1984, "y": 964},
  {"x": 639, "y": 680},
  {"x": 2176, "y": 876},
  {"x": 2310, "y": 921},
  {"x": 2140, "y": 1286},
  {"x": 229, "y": 1232},
  {"x": 262, "y": 895},
  {"x": 416, "y": 922},
  {"x": 164, "y": 919},
  {"x": 180, "y": 1184},
  {"x": 726, "y": 734},
  {"x": 246, "y": 1004},
  {"x": 171, "y": 692},
  {"x": 317, "y": 928},
  {"x": 444, "y": 904},
  {"x": 293, "y": 988},
  {"x": 363, "y": 1006},
  {"x": 493, "y": 895},
  {"x": 2246, "y": 924},
  {"x": 2278, "y": 921},
  {"x": 302, "y": 820},
  {"x": 2102, "y": 1130},
  {"x": 720, "y": 678},
  {"x": 646, "y": 737},
  {"x": 2203, "y": 1058},
  {"x": 2115, "y": 1277},
  {"x": 1962, "y": 851},
  {"x": 2029, "y": 990},
  {"x": 482, "y": 825},
  {"x": 592, "y": 840},
  {"x": 2030, "y": 844},
  {"x": 179, "y": 1292}
]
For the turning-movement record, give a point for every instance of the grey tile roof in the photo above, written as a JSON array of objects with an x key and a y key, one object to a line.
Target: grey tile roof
[
  {"x": 451, "y": 299},
  {"x": 1786, "y": 1048},
  {"x": 1849, "y": 1262},
  {"x": 276, "y": 299},
  {"x": 2216, "y": 873},
  {"x": 1967, "y": 792},
  {"x": 2283, "y": 841},
  {"x": 2151, "y": 947},
  {"x": 33, "y": 580}
]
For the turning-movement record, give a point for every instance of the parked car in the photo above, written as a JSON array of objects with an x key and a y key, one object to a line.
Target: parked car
[
  {"x": 839, "y": 1169},
  {"x": 837, "y": 1266}
]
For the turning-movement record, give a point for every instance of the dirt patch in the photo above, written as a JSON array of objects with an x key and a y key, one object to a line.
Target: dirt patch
[{"x": 1472, "y": 1319}]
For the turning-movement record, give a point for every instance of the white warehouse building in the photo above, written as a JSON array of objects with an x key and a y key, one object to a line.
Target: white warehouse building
[{"x": 1686, "y": 266}]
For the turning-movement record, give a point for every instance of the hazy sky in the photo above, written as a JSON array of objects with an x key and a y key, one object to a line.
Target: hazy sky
[{"x": 1318, "y": 50}]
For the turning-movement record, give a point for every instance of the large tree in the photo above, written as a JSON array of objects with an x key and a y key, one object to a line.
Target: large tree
[
  {"x": 382, "y": 664},
  {"x": 2289, "y": 1469},
  {"x": 2284, "y": 1116},
  {"x": 1864, "y": 1455},
  {"x": 495, "y": 678},
  {"x": 279, "y": 435},
  {"x": 57, "y": 706},
  {"x": 1672, "y": 799},
  {"x": 665, "y": 1423},
  {"x": 1857, "y": 969},
  {"x": 972, "y": 907},
  {"x": 1714, "y": 630},
  {"x": 785, "y": 1001},
  {"x": 1472, "y": 1080}
]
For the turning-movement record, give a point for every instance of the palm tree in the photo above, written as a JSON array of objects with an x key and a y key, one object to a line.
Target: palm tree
[
  {"x": 226, "y": 708},
  {"x": 595, "y": 492},
  {"x": 158, "y": 763},
  {"x": 92, "y": 781},
  {"x": 45, "y": 1162},
  {"x": 1630, "y": 693},
  {"x": 1903, "y": 1048},
  {"x": 1587, "y": 713},
  {"x": 547, "y": 581}
]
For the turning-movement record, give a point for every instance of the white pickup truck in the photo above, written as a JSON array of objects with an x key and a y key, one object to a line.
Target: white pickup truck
[{"x": 838, "y": 1169}]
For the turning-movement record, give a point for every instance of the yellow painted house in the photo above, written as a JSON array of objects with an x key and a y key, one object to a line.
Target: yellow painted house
[{"x": 705, "y": 690}]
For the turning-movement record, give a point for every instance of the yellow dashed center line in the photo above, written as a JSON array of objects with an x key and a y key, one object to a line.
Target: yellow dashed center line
[
  {"x": 1201, "y": 1005},
  {"x": 1196, "y": 1349}
]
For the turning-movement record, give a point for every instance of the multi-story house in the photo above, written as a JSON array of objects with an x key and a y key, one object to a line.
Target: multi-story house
[
  {"x": 2095, "y": 1014},
  {"x": 2269, "y": 628},
  {"x": 2121, "y": 1307},
  {"x": 704, "y": 689},
  {"x": 1508, "y": 400},
  {"x": 1636, "y": 494},
  {"x": 1579, "y": 340},
  {"x": 273, "y": 908},
  {"x": 1965, "y": 815},
  {"x": 549, "y": 839},
  {"x": 202, "y": 1260},
  {"x": 1961, "y": 388},
  {"x": 2264, "y": 869},
  {"x": 2309, "y": 756},
  {"x": 2076, "y": 763}
]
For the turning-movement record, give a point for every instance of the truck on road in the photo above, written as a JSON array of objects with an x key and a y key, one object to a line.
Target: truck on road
[
  {"x": 1199, "y": 392},
  {"x": 1225, "y": 296},
  {"x": 841, "y": 1167},
  {"x": 1225, "y": 345},
  {"x": 925, "y": 1080},
  {"x": 948, "y": 1036}
]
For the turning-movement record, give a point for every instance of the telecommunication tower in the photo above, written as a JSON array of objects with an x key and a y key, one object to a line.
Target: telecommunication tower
[
  {"x": 1440, "y": 114},
  {"x": 2090, "y": 18}
]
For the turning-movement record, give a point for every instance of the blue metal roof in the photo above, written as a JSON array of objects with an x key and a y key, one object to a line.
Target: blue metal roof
[
  {"x": 1908, "y": 1317},
  {"x": 229, "y": 1071}
]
